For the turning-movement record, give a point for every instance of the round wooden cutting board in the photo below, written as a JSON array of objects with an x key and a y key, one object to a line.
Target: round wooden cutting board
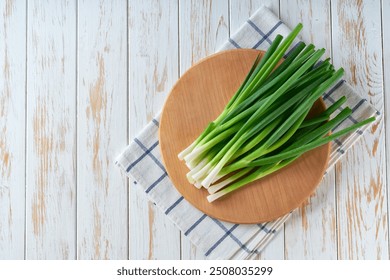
[{"x": 197, "y": 98}]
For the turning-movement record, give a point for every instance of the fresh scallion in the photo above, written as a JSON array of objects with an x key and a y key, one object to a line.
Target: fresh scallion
[{"x": 264, "y": 126}]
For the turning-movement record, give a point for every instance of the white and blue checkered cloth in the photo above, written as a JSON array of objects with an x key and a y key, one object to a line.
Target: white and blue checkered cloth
[{"x": 141, "y": 161}]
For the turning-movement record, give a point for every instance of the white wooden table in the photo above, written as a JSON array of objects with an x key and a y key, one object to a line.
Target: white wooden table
[{"x": 79, "y": 79}]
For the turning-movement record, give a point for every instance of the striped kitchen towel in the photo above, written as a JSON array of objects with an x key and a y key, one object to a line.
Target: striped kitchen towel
[{"x": 141, "y": 161}]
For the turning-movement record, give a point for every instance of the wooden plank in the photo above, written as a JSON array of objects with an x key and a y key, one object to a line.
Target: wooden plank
[
  {"x": 311, "y": 231},
  {"x": 360, "y": 178},
  {"x": 12, "y": 128},
  {"x": 203, "y": 29},
  {"x": 153, "y": 69},
  {"x": 386, "y": 87},
  {"x": 51, "y": 133},
  {"x": 240, "y": 11},
  {"x": 102, "y": 190}
]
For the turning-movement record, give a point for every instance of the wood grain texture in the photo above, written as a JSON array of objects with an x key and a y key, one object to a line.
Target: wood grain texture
[
  {"x": 51, "y": 133},
  {"x": 360, "y": 178},
  {"x": 12, "y": 128},
  {"x": 153, "y": 68},
  {"x": 311, "y": 231},
  {"x": 240, "y": 11},
  {"x": 48, "y": 211},
  {"x": 102, "y": 190},
  {"x": 385, "y": 8},
  {"x": 203, "y": 27}
]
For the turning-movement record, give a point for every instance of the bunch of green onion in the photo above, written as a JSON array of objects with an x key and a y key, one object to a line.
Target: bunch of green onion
[{"x": 263, "y": 128}]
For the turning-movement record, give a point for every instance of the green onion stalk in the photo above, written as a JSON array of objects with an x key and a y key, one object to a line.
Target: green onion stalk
[{"x": 264, "y": 127}]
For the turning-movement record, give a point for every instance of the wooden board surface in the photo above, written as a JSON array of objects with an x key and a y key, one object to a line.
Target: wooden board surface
[
  {"x": 101, "y": 130},
  {"x": 347, "y": 217},
  {"x": 311, "y": 231},
  {"x": 362, "y": 206},
  {"x": 197, "y": 99},
  {"x": 50, "y": 131},
  {"x": 12, "y": 129}
]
